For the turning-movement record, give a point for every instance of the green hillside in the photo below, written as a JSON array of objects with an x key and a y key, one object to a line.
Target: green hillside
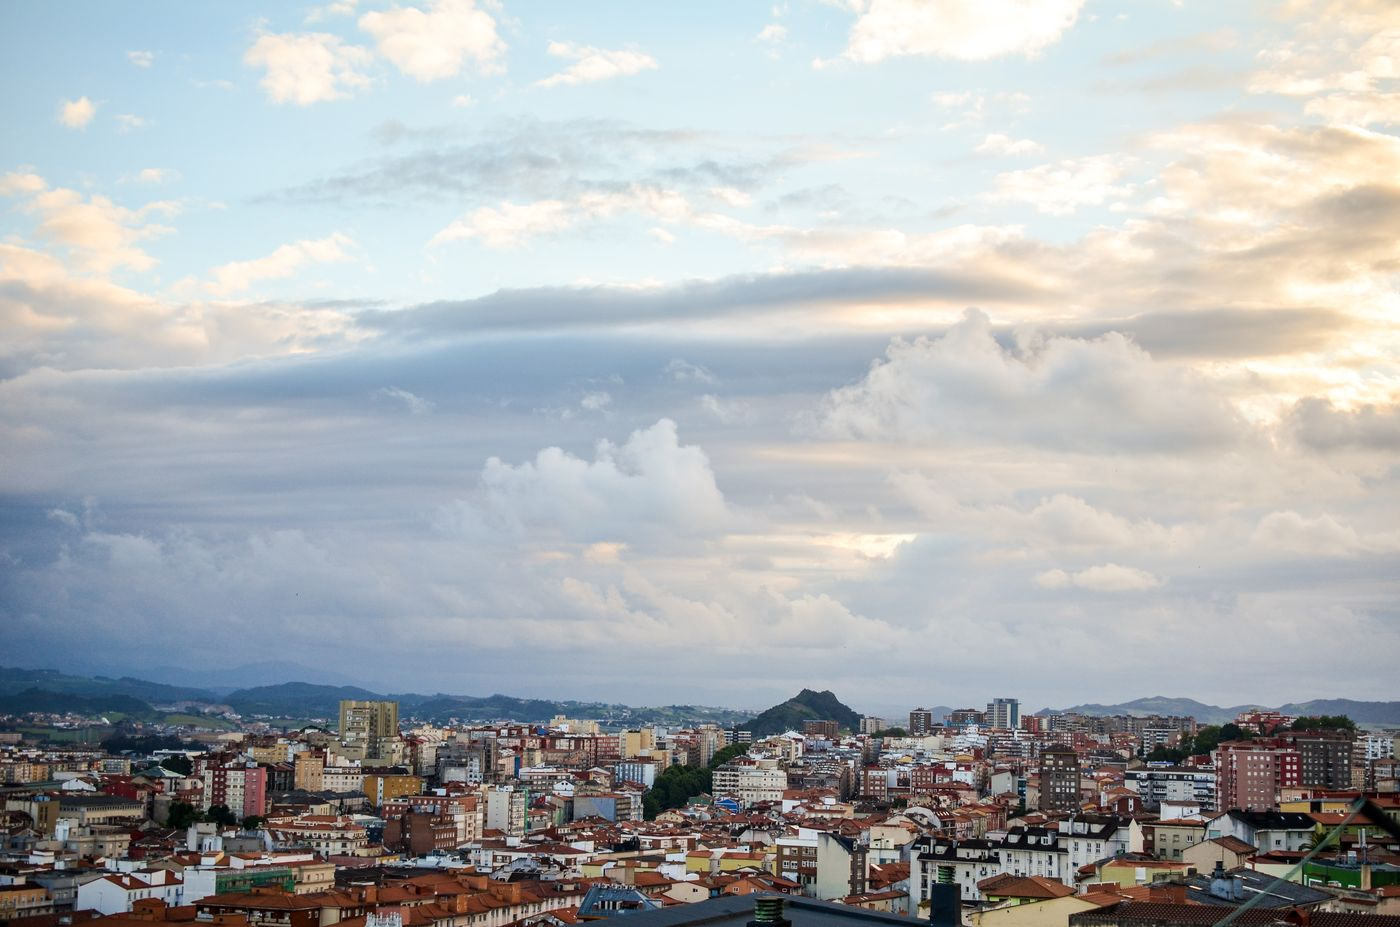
[{"x": 807, "y": 705}]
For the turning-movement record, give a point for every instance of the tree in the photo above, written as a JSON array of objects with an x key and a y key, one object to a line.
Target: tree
[
  {"x": 728, "y": 753},
  {"x": 253, "y": 822},
  {"x": 1231, "y": 731},
  {"x": 182, "y": 814},
  {"x": 221, "y": 815},
  {"x": 178, "y": 764},
  {"x": 675, "y": 787},
  {"x": 891, "y": 732},
  {"x": 1325, "y": 723}
]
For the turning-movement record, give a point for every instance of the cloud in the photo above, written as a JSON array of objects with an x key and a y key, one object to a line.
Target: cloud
[
  {"x": 332, "y": 9},
  {"x": 126, "y": 122},
  {"x": 997, "y": 144},
  {"x": 76, "y": 114},
  {"x": 509, "y": 225},
  {"x": 1061, "y": 188},
  {"x": 141, "y": 59},
  {"x": 773, "y": 33},
  {"x": 512, "y": 224},
  {"x": 650, "y": 486},
  {"x": 237, "y": 276},
  {"x": 98, "y": 234},
  {"x": 596, "y": 401},
  {"x": 594, "y": 64},
  {"x": 1109, "y": 577},
  {"x": 434, "y": 43},
  {"x": 1104, "y": 395},
  {"x": 1322, "y": 535},
  {"x": 952, "y": 29},
  {"x": 57, "y": 320},
  {"x": 1320, "y": 425},
  {"x": 155, "y": 175},
  {"x": 308, "y": 67},
  {"x": 682, "y": 370},
  {"x": 416, "y": 405}
]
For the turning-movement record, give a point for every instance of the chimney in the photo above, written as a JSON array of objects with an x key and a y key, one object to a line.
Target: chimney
[
  {"x": 768, "y": 912},
  {"x": 1237, "y": 888}
]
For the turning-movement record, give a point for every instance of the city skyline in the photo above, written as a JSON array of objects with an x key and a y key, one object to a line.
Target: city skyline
[{"x": 880, "y": 346}]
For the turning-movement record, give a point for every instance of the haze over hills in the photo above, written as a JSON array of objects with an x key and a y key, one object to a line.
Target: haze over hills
[
  {"x": 1360, "y": 712},
  {"x": 302, "y": 699}
]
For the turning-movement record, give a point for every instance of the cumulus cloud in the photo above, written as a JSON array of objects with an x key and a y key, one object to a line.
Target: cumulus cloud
[
  {"x": 1061, "y": 188},
  {"x": 237, "y": 276},
  {"x": 1108, "y": 577},
  {"x": 1104, "y": 394},
  {"x": 308, "y": 67},
  {"x": 434, "y": 42},
  {"x": 1320, "y": 425},
  {"x": 98, "y": 234},
  {"x": 951, "y": 29},
  {"x": 76, "y": 114},
  {"x": 651, "y": 483},
  {"x": 594, "y": 64}
]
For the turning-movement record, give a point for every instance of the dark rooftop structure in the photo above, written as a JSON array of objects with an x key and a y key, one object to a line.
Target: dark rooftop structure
[
  {"x": 1234, "y": 888},
  {"x": 739, "y": 910}
]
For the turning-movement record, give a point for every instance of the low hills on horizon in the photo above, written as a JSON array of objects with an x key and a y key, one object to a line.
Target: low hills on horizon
[{"x": 47, "y": 690}]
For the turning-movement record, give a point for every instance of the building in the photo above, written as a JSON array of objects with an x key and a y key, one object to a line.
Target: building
[
  {"x": 385, "y": 787},
  {"x": 1324, "y": 757},
  {"x": 920, "y": 722},
  {"x": 1059, "y": 779},
  {"x": 1004, "y": 713},
  {"x": 869, "y": 724},
  {"x": 823, "y": 729},
  {"x": 239, "y": 787},
  {"x": 1251, "y": 774},
  {"x": 750, "y": 781},
  {"x": 1158, "y": 783},
  {"x": 369, "y": 730}
]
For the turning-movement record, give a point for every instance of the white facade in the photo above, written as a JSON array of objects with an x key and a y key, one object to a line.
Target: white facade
[{"x": 114, "y": 894}]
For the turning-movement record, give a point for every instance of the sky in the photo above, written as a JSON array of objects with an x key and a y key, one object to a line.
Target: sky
[{"x": 694, "y": 353}]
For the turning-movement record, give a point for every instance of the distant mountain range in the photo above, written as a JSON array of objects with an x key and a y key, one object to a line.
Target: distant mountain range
[
  {"x": 807, "y": 705},
  {"x": 26, "y": 690},
  {"x": 51, "y": 690},
  {"x": 1360, "y": 712}
]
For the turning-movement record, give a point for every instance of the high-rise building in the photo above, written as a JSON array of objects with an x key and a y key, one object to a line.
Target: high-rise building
[
  {"x": 920, "y": 722},
  {"x": 1325, "y": 756},
  {"x": 239, "y": 787},
  {"x": 1250, "y": 775},
  {"x": 1059, "y": 779},
  {"x": 819, "y": 728},
  {"x": 1004, "y": 713},
  {"x": 368, "y": 730},
  {"x": 869, "y": 724}
]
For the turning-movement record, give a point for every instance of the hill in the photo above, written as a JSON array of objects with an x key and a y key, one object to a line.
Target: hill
[
  {"x": 807, "y": 705},
  {"x": 1360, "y": 712},
  {"x": 41, "y": 701},
  {"x": 296, "y": 700},
  {"x": 14, "y": 681}
]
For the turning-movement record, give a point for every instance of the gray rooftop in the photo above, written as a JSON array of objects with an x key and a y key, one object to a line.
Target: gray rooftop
[{"x": 737, "y": 910}]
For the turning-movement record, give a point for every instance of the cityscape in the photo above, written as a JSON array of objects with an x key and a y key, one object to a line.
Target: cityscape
[
  {"x": 195, "y": 812},
  {"x": 796, "y": 463}
]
